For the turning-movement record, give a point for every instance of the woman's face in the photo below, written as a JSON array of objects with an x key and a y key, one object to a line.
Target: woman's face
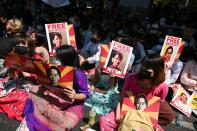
[
  {"x": 168, "y": 54},
  {"x": 54, "y": 76},
  {"x": 57, "y": 41},
  {"x": 116, "y": 60},
  {"x": 184, "y": 98},
  {"x": 141, "y": 104}
]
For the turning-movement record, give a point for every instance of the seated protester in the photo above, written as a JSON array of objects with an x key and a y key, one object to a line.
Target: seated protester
[
  {"x": 107, "y": 87},
  {"x": 152, "y": 44},
  {"x": 92, "y": 51},
  {"x": 139, "y": 52},
  {"x": 189, "y": 75},
  {"x": 150, "y": 82},
  {"x": 47, "y": 109},
  {"x": 13, "y": 95},
  {"x": 173, "y": 72},
  {"x": 12, "y": 29},
  {"x": 22, "y": 47},
  {"x": 104, "y": 92}
]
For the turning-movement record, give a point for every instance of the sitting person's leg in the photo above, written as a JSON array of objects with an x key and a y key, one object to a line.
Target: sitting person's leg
[
  {"x": 166, "y": 114},
  {"x": 107, "y": 122}
]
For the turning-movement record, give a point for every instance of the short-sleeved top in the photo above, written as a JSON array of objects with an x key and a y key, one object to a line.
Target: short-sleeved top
[
  {"x": 80, "y": 82},
  {"x": 131, "y": 84}
]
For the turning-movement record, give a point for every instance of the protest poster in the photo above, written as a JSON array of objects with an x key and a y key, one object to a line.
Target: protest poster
[
  {"x": 180, "y": 101},
  {"x": 170, "y": 49},
  {"x": 105, "y": 48},
  {"x": 57, "y": 35},
  {"x": 192, "y": 102},
  {"x": 118, "y": 59},
  {"x": 148, "y": 105},
  {"x": 71, "y": 37},
  {"x": 54, "y": 75}
]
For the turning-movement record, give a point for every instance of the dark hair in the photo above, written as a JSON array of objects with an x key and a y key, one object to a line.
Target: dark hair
[
  {"x": 40, "y": 40},
  {"x": 125, "y": 40},
  {"x": 52, "y": 35},
  {"x": 156, "y": 63},
  {"x": 120, "y": 56},
  {"x": 68, "y": 56},
  {"x": 140, "y": 96},
  {"x": 170, "y": 47},
  {"x": 184, "y": 95},
  {"x": 55, "y": 68}
]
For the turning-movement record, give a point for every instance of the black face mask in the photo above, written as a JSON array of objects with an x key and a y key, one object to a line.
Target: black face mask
[{"x": 22, "y": 50}]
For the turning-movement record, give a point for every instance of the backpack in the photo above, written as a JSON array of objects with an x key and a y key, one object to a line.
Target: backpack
[{"x": 135, "y": 120}]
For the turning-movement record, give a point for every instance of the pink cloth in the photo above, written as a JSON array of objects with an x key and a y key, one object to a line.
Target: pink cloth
[
  {"x": 51, "y": 111},
  {"x": 107, "y": 122},
  {"x": 131, "y": 84}
]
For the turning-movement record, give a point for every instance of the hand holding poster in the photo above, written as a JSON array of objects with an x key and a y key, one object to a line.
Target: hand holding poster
[
  {"x": 59, "y": 34},
  {"x": 180, "y": 99},
  {"x": 118, "y": 59},
  {"x": 170, "y": 49}
]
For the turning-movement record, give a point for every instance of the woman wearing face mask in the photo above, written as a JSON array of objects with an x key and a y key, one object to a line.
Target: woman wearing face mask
[
  {"x": 22, "y": 48},
  {"x": 22, "y": 45},
  {"x": 149, "y": 81}
]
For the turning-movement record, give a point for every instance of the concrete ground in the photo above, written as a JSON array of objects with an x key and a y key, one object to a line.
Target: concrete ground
[{"x": 11, "y": 124}]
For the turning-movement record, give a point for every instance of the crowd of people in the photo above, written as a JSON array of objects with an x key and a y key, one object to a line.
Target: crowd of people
[{"x": 41, "y": 108}]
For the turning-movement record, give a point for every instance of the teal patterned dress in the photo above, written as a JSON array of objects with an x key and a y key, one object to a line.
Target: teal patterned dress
[{"x": 104, "y": 103}]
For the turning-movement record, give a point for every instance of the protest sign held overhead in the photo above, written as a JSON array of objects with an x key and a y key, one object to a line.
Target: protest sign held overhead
[
  {"x": 118, "y": 59},
  {"x": 170, "y": 49},
  {"x": 59, "y": 34}
]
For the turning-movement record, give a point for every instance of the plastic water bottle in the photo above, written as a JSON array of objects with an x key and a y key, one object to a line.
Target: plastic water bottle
[
  {"x": 91, "y": 118},
  {"x": 179, "y": 119}
]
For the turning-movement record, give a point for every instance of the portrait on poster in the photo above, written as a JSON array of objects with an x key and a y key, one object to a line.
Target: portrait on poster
[{"x": 118, "y": 59}]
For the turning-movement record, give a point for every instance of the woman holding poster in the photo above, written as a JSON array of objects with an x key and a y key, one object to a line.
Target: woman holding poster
[
  {"x": 48, "y": 109},
  {"x": 150, "y": 82}
]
